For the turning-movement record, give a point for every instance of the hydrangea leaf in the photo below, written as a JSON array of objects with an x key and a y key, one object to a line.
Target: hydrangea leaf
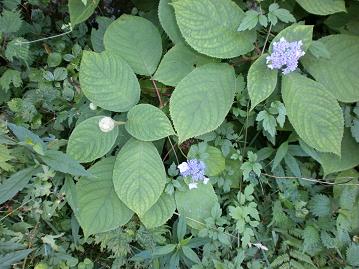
[
  {"x": 148, "y": 123},
  {"x": 87, "y": 142},
  {"x": 320, "y": 126},
  {"x": 137, "y": 41},
  {"x": 160, "y": 212},
  {"x": 139, "y": 175},
  {"x": 331, "y": 163},
  {"x": 215, "y": 162},
  {"x": 100, "y": 209},
  {"x": 196, "y": 204},
  {"x": 97, "y": 34},
  {"x": 261, "y": 81},
  {"x": 210, "y": 27},
  {"x": 296, "y": 32},
  {"x": 166, "y": 15},
  {"x": 108, "y": 81},
  {"x": 338, "y": 73},
  {"x": 80, "y": 12},
  {"x": 353, "y": 254},
  {"x": 322, "y": 7},
  {"x": 177, "y": 63},
  {"x": 202, "y": 99}
]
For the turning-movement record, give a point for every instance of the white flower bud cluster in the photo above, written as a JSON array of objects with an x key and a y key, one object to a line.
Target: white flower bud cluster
[{"x": 106, "y": 124}]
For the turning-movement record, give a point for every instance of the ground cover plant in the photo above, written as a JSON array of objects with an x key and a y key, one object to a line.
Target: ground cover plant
[{"x": 179, "y": 134}]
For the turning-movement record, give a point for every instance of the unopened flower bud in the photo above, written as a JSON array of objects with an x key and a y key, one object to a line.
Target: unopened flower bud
[
  {"x": 93, "y": 106},
  {"x": 106, "y": 124}
]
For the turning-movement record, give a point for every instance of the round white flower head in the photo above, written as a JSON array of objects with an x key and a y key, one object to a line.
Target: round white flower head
[
  {"x": 106, "y": 124},
  {"x": 92, "y": 106},
  {"x": 205, "y": 180},
  {"x": 183, "y": 167},
  {"x": 192, "y": 185}
]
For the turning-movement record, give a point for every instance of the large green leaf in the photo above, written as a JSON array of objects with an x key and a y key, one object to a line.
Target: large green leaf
[
  {"x": 11, "y": 186},
  {"x": 160, "y": 212},
  {"x": 339, "y": 73},
  {"x": 137, "y": 41},
  {"x": 80, "y": 12},
  {"x": 166, "y": 15},
  {"x": 296, "y": 32},
  {"x": 108, "y": 81},
  {"x": 322, "y": 7},
  {"x": 139, "y": 175},
  {"x": 210, "y": 27},
  {"x": 87, "y": 142},
  {"x": 61, "y": 162},
  {"x": 148, "y": 123},
  {"x": 177, "y": 63},
  {"x": 196, "y": 204},
  {"x": 100, "y": 209},
  {"x": 202, "y": 100},
  {"x": 332, "y": 163},
  {"x": 314, "y": 113},
  {"x": 261, "y": 81}
]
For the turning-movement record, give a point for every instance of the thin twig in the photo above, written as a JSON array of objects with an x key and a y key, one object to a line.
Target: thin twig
[
  {"x": 174, "y": 151},
  {"x": 316, "y": 180},
  {"x": 42, "y": 39},
  {"x": 246, "y": 129},
  {"x": 158, "y": 93},
  {"x": 265, "y": 42}
]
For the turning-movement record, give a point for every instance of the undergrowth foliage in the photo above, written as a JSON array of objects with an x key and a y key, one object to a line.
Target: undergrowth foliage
[{"x": 179, "y": 134}]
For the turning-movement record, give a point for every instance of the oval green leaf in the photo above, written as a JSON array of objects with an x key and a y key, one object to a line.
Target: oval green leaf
[
  {"x": 87, "y": 142},
  {"x": 166, "y": 15},
  {"x": 139, "y": 175},
  {"x": 196, "y": 204},
  {"x": 160, "y": 212},
  {"x": 100, "y": 209},
  {"x": 137, "y": 41},
  {"x": 332, "y": 163},
  {"x": 80, "y": 12},
  {"x": 314, "y": 113},
  {"x": 339, "y": 73},
  {"x": 108, "y": 81},
  {"x": 201, "y": 101},
  {"x": 261, "y": 81},
  {"x": 296, "y": 32},
  {"x": 178, "y": 62},
  {"x": 322, "y": 7},
  {"x": 148, "y": 123},
  {"x": 210, "y": 27}
]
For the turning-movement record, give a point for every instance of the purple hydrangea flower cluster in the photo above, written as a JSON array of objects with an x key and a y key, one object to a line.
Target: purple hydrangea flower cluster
[
  {"x": 195, "y": 170},
  {"x": 285, "y": 55}
]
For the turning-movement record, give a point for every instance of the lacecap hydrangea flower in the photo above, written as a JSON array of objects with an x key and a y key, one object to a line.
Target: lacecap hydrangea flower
[
  {"x": 106, "y": 124},
  {"x": 193, "y": 169},
  {"x": 285, "y": 55}
]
